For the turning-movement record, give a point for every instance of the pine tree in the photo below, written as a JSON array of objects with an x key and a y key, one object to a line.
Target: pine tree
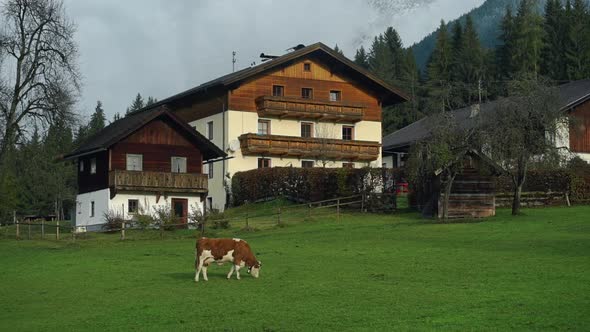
[
  {"x": 380, "y": 59},
  {"x": 528, "y": 40},
  {"x": 361, "y": 58},
  {"x": 554, "y": 64},
  {"x": 136, "y": 105},
  {"x": 338, "y": 50},
  {"x": 577, "y": 41},
  {"x": 394, "y": 43},
  {"x": 471, "y": 68},
  {"x": 439, "y": 72},
  {"x": 505, "y": 64},
  {"x": 151, "y": 100},
  {"x": 97, "y": 120}
]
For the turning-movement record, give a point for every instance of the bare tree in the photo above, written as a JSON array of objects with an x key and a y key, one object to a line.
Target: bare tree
[
  {"x": 324, "y": 133},
  {"x": 441, "y": 154},
  {"x": 39, "y": 77},
  {"x": 523, "y": 129}
]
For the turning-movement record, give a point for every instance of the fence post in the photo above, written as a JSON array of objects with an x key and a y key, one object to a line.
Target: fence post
[
  {"x": 29, "y": 234},
  {"x": 73, "y": 230},
  {"x": 362, "y": 202},
  {"x": 279, "y": 217},
  {"x": 309, "y": 210},
  {"x": 161, "y": 230},
  {"x": 338, "y": 209},
  {"x": 57, "y": 231},
  {"x": 42, "y": 228},
  {"x": 123, "y": 230},
  {"x": 17, "y": 225},
  {"x": 247, "y": 221}
]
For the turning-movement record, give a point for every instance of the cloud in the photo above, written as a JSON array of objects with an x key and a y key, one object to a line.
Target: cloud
[{"x": 160, "y": 47}]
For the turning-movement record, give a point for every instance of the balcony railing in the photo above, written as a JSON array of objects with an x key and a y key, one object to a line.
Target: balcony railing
[
  {"x": 314, "y": 148},
  {"x": 307, "y": 109},
  {"x": 158, "y": 181}
]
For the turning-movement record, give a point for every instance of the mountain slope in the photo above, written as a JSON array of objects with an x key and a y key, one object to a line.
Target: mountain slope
[{"x": 486, "y": 17}]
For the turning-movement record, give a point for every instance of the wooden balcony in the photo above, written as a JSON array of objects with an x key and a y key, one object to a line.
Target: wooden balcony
[
  {"x": 158, "y": 181},
  {"x": 307, "y": 109},
  {"x": 313, "y": 148}
]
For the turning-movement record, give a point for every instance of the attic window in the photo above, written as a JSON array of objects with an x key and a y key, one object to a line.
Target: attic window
[{"x": 307, "y": 66}]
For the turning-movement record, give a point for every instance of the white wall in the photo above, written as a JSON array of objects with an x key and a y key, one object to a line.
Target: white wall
[
  {"x": 238, "y": 123},
  {"x": 101, "y": 200},
  {"x": 147, "y": 201}
]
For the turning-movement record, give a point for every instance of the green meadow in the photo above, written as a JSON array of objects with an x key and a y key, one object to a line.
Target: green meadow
[{"x": 360, "y": 272}]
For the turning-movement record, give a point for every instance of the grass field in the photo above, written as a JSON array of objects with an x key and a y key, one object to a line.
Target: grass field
[{"x": 364, "y": 272}]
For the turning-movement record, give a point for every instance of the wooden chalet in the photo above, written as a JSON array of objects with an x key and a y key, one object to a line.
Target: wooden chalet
[{"x": 142, "y": 162}]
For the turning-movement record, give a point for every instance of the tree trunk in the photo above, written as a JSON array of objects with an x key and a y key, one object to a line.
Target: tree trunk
[
  {"x": 518, "y": 181},
  {"x": 448, "y": 186}
]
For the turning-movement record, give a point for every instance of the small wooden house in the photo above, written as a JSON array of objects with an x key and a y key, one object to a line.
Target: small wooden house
[{"x": 145, "y": 161}]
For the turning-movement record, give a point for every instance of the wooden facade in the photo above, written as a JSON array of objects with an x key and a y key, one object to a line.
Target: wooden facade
[
  {"x": 472, "y": 195},
  {"x": 579, "y": 135},
  {"x": 286, "y": 146},
  {"x": 297, "y": 108},
  {"x": 157, "y": 141},
  {"x": 293, "y": 79}
]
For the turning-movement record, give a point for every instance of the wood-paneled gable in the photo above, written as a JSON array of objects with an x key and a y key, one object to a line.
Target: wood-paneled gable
[
  {"x": 157, "y": 141},
  {"x": 88, "y": 182},
  {"x": 294, "y": 78},
  {"x": 580, "y": 129}
]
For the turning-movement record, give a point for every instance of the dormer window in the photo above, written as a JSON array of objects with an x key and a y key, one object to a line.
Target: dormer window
[{"x": 307, "y": 66}]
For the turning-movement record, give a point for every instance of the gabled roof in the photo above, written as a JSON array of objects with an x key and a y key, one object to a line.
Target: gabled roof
[
  {"x": 389, "y": 94},
  {"x": 126, "y": 126},
  {"x": 571, "y": 95}
]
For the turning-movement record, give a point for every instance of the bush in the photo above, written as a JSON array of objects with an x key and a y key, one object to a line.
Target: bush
[
  {"x": 113, "y": 221},
  {"x": 165, "y": 217},
  {"x": 310, "y": 184},
  {"x": 217, "y": 220}
]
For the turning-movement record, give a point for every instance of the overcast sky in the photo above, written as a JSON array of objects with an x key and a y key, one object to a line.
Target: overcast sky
[{"x": 162, "y": 47}]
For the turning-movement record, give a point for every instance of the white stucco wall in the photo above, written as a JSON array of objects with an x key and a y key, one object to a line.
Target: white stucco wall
[
  {"x": 119, "y": 204},
  {"x": 238, "y": 123},
  {"x": 101, "y": 200},
  {"x": 387, "y": 161}
]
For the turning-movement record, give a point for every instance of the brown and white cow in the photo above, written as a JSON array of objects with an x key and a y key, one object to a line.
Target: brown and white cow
[{"x": 236, "y": 251}]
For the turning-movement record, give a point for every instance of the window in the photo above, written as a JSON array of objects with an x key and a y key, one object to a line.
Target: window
[
  {"x": 263, "y": 127},
  {"x": 178, "y": 164},
  {"x": 210, "y": 170},
  {"x": 307, "y": 93},
  {"x": 278, "y": 90},
  {"x": 307, "y": 66},
  {"x": 134, "y": 162},
  {"x": 93, "y": 166},
  {"x": 132, "y": 206},
  {"x": 335, "y": 95},
  {"x": 348, "y": 165},
  {"x": 81, "y": 165},
  {"x": 210, "y": 203},
  {"x": 306, "y": 129},
  {"x": 307, "y": 164},
  {"x": 210, "y": 130},
  {"x": 347, "y": 133},
  {"x": 92, "y": 208},
  {"x": 263, "y": 163}
]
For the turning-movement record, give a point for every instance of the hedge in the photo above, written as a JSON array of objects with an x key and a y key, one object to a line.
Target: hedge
[
  {"x": 577, "y": 184},
  {"x": 309, "y": 184}
]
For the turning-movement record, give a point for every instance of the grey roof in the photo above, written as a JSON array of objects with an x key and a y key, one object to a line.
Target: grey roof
[
  {"x": 571, "y": 94},
  {"x": 391, "y": 95},
  {"x": 124, "y": 127}
]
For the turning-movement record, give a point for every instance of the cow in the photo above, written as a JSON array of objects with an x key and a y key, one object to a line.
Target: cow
[{"x": 236, "y": 251}]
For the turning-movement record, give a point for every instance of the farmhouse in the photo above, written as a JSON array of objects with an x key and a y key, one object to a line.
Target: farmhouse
[
  {"x": 574, "y": 102},
  {"x": 309, "y": 107},
  {"x": 142, "y": 162}
]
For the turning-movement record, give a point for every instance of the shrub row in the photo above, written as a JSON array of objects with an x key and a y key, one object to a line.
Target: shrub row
[
  {"x": 309, "y": 184},
  {"x": 561, "y": 180}
]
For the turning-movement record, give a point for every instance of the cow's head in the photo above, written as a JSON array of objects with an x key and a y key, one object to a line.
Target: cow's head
[{"x": 255, "y": 269}]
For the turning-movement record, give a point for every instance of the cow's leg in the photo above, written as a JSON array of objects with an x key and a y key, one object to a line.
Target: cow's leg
[
  {"x": 199, "y": 265},
  {"x": 231, "y": 271},
  {"x": 205, "y": 271},
  {"x": 237, "y": 268}
]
